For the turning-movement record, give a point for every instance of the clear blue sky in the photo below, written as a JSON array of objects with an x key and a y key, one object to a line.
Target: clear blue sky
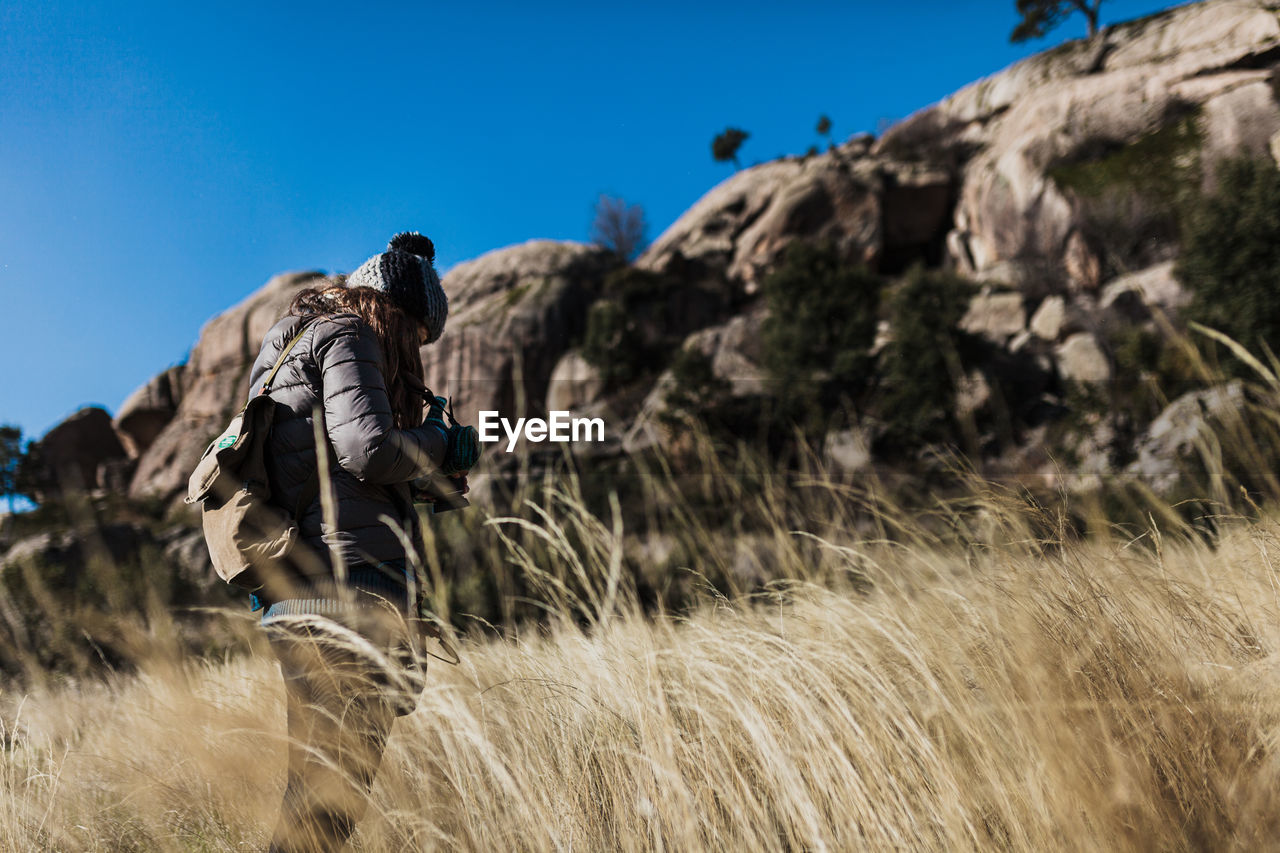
[{"x": 160, "y": 161}]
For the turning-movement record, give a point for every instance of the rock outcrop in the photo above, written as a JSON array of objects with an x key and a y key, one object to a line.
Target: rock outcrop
[
  {"x": 512, "y": 314},
  {"x": 70, "y": 455},
  {"x": 574, "y": 384},
  {"x": 735, "y": 353},
  {"x": 997, "y": 316},
  {"x": 1211, "y": 62},
  {"x": 1183, "y": 432},
  {"x": 875, "y": 210},
  {"x": 993, "y": 182},
  {"x": 1155, "y": 286},
  {"x": 213, "y": 385},
  {"x": 1080, "y": 359},
  {"x": 148, "y": 410}
]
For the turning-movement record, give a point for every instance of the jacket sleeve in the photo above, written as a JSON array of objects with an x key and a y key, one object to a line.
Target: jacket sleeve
[{"x": 358, "y": 410}]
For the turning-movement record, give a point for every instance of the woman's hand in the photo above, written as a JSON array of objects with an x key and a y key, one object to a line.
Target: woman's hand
[{"x": 463, "y": 450}]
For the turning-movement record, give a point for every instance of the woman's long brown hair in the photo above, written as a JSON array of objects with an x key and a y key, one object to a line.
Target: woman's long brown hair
[{"x": 397, "y": 332}]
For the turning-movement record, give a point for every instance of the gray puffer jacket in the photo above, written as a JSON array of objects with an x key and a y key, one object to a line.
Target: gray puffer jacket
[{"x": 338, "y": 363}]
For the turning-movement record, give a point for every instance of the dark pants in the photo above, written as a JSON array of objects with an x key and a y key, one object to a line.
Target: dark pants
[{"x": 344, "y": 692}]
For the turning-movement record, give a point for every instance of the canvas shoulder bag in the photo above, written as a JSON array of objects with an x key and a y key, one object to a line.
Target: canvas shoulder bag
[{"x": 247, "y": 535}]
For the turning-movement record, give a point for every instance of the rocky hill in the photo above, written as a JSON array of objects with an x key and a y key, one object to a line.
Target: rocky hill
[
  {"x": 1041, "y": 205},
  {"x": 1022, "y": 182}
]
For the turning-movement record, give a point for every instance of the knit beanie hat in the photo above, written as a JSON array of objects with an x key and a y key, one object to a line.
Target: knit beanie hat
[{"x": 406, "y": 272}]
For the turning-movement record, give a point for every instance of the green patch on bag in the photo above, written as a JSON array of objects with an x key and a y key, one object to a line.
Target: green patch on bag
[{"x": 227, "y": 441}]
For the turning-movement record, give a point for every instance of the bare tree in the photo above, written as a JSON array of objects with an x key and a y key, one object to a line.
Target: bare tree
[
  {"x": 1041, "y": 16},
  {"x": 619, "y": 227}
]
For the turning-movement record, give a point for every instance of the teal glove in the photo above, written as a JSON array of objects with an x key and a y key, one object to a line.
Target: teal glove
[
  {"x": 463, "y": 450},
  {"x": 462, "y": 443}
]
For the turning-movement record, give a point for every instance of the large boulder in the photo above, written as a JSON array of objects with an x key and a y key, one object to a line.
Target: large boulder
[
  {"x": 214, "y": 385},
  {"x": 574, "y": 383},
  {"x": 874, "y": 210},
  {"x": 69, "y": 455},
  {"x": 1176, "y": 440},
  {"x": 1213, "y": 62},
  {"x": 1155, "y": 286},
  {"x": 997, "y": 316},
  {"x": 647, "y": 429},
  {"x": 734, "y": 349},
  {"x": 512, "y": 314},
  {"x": 1049, "y": 318},
  {"x": 1081, "y": 359},
  {"x": 148, "y": 410}
]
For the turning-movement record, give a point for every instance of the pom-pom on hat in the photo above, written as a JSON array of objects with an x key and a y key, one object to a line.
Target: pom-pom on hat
[{"x": 406, "y": 272}]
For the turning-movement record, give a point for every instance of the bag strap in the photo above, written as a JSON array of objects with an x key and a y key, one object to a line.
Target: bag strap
[
  {"x": 311, "y": 487},
  {"x": 431, "y": 630},
  {"x": 271, "y": 377}
]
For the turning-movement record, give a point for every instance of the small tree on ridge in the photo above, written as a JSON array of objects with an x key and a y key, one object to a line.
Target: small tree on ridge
[
  {"x": 1041, "y": 16},
  {"x": 10, "y": 461},
  {"x": 724, "y": 148}
]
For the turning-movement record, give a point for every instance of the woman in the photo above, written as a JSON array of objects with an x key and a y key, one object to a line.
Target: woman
[{"x": 336, "y": 615}]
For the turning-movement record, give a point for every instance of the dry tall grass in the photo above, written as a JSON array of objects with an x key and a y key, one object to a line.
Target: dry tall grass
[
  {"x": 972, "y": 679},
  {"x": 1001, "y": 692}
]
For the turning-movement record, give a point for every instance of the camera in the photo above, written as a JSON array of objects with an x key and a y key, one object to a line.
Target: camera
[{"x": 444, "y": 494}]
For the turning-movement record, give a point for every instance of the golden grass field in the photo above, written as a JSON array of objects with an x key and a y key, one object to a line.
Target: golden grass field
[
  {"x": 994, "y": 691},
  {"x": 971, "y": 675}
]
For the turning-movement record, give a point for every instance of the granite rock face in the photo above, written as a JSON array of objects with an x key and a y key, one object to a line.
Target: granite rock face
[
  {"x": 995, "y": 315},
  {"x": 574, "y": 384},
  {"x": 213, "y": 386},
  {"x": 1080, "y": 359},
  {"x": 874, "y": 210},
  {"x": 148, "y": 410},
  {"x": 974, "y": 183},
  {"x": 71, "y": 454},
  {"x": 513, "y": 313},
  {"x": 1213, "y": 62},
  {"x": 1178, "y": 436},
  {"x": 734, "y": 350}
]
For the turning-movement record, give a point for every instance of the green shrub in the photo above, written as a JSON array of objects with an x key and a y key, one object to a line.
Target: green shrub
[
  {"x": 628, "y": 333},
  {"x": 1231, "y": 254},
  {"x": 818, "y": 335},
  {"x": 695, "y": 389},
  {"x": 632, "y": 286},
  {"x": 924, "y": 359},
  {"x": 1129, "y": 197},
  {"x": 611, "y": 343},
  {"x": 1154, "y": 165},
  {"x": 1150, "y": 370}
]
